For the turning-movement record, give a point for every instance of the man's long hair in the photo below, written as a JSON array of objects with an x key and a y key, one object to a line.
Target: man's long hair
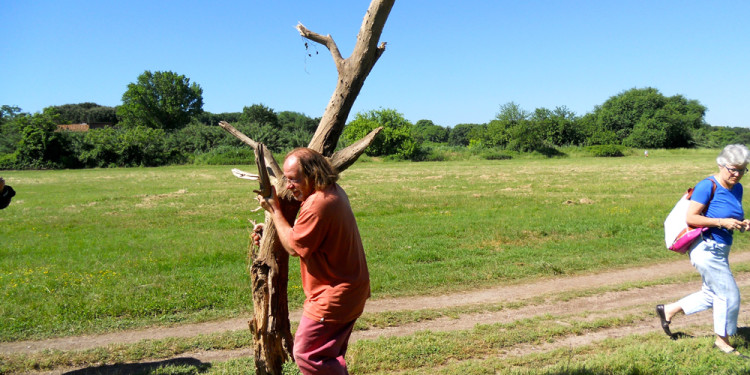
[{"x": 315, "y": 167}]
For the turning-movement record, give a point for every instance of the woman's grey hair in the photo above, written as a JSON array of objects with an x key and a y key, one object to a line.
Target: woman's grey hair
[{"x": 734, "y": 155}]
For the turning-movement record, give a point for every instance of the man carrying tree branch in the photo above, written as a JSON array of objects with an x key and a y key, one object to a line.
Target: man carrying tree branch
[{"x": 334, "y": 271}]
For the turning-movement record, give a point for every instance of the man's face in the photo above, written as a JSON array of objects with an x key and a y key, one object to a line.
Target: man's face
[{"x": 297, "y": 182}]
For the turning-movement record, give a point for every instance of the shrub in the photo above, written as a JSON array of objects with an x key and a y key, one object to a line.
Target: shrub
[
  {"x": 8, "y": 161},
  {"x": 494, "y": 154},
  {"x": 116, "y": 147},
  {"x": 605, "y": 150},
  {"x": 395, "y": 140},
  {"x": 227, "y": 155},
  {"x": 431, "y": 154},
  {"x": 197, "y": 138}
]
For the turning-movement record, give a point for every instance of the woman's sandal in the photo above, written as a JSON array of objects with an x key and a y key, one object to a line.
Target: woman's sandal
[
  {"x": 733, "y": 351},
  {"x": 664, "y": 322}
]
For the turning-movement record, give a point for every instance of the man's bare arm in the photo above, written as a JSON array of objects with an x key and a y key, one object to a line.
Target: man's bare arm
[{"x": 271, "y": 204}]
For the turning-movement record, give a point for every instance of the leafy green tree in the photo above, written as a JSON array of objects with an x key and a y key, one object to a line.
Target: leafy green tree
[
  {"x": 681, "y": 116},
  {"x": 99, "y": 148},
  {"x": 743, "y": 136},
  {"x": 512, "y": 113},
  {"x": 40, "y": 146},
  {"x": 295, "y": 121},
  {"x": 559, "y": 127},
  {"x": 500, "y": 131},
  {"x": 526, "y": 136},
  {"x": 124, "y": 147},
  {"x": 260, "y": 114},
  {"x": 462, "y": 134},
  {"x": 593, "y": 134},
  {"x": 269, "y": 135},
  {"x": 647, "y": 133},
  {"x": 10, "y": 133},
  {"x": 620, "y": 113},
  {"x": 8, "y": 113},
  {"x": 395, "y": 139},
  {"x": 86, "y": 113},
  {"x": 646, "y": 118},
  {"x": 160, "y": 100},
  {"x": 298, "y": 129},
  {"x": 143, "y": 146},
  {"x": 427, "y": 131},
  {"x": 212, "y": 119},
  {"x": 721, "y": 137},
  {"x": 262, "y": 124},
  {"x": 197, "y": 137}
]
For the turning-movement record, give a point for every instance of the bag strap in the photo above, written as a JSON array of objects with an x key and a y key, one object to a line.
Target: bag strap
[
  {"x": 713, "y": 191},
  {"x": 710, "y": 198}
]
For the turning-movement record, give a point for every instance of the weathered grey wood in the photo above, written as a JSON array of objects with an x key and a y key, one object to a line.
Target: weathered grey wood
[{"x": 352, "y": 73}]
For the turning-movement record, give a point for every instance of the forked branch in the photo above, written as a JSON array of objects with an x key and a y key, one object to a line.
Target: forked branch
[
  {"x": 325, "y": 40},
  {"x": 343, "y": 159}
]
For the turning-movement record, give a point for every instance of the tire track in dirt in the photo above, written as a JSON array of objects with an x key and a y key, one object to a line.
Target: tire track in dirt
[{"x": 609, "y": 304}]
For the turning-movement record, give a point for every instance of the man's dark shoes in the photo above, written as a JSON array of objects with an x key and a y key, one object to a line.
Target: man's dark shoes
[
  {"x": 732, "y": 351},
  {"x": 664, "y": 322}
]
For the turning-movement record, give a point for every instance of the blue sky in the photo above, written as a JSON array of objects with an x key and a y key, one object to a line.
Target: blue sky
[{"x": 447, "y": 61}]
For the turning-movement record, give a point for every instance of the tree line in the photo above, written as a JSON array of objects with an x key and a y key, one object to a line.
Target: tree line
[{"x": 161, "y": 121}]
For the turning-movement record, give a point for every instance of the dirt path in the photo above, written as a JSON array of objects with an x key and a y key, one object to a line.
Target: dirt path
[{"x": 635, "y": 301}]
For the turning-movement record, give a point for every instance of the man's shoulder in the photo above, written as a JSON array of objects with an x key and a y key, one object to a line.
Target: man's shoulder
[{"x": 332, "y": 196}]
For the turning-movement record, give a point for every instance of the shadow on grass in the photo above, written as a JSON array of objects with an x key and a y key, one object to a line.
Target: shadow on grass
[
  {"x": 744, "y": 332},
  {"x": 143, "y": 368},
  {"x": 551, "y": 152},
  {"x": 681, "y": 335}
]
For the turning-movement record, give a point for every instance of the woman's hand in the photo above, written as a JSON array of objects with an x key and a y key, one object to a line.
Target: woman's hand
[
  {"x": 744, "y": 225},
  {"x": 734, "y": 224}
]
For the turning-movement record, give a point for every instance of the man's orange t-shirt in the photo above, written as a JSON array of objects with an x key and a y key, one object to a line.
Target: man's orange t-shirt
[{"x": 334, "y": 271}]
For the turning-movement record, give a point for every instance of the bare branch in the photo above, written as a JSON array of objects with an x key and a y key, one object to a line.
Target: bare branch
[
  {"x": 272, "y": 167},
  {"x": 343, "y": 159},
  {"x": 245, "y": 139},
  {"x": 325, "y": 40},
  {"x": 245, "y": 175}
]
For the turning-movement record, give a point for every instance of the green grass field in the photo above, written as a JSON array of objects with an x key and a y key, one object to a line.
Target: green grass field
[{"x": 89, "y": 251}]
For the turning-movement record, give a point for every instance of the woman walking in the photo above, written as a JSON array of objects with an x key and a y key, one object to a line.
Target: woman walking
[{"x": 722, "y": 193}]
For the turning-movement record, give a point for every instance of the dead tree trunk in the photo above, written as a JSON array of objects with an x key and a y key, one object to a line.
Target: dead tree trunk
[
  {"x": 352, "y": 73},
  {"x": 269, "y": 265}
]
